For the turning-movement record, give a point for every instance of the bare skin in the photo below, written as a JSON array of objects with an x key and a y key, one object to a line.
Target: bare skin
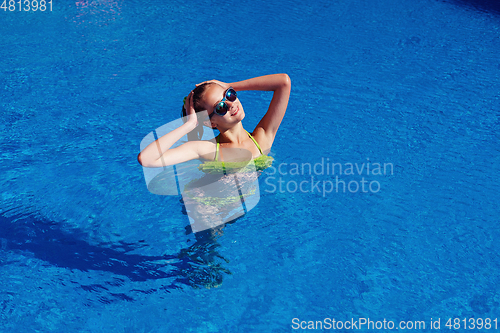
[{"x": 232, "y": 134}]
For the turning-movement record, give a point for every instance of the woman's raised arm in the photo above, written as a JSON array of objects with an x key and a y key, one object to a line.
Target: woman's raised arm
[
  {"x": 280, "y": 84},
  {"x": 158, "y": 153}
]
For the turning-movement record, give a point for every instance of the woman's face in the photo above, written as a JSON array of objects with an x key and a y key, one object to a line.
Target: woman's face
[{"x": 213, "y": 95}]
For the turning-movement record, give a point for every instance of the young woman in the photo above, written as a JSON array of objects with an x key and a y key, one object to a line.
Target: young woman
[
  {"x": 225, "y": 113},
  {"x": 227, "y": 190}
]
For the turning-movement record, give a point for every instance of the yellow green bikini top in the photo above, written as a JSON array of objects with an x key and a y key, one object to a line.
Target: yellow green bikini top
[{"x": 262, "y": 162}]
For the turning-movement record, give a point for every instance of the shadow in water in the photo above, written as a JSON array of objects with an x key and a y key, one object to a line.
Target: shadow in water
[
  {"x": 195, "y": 266},
  {"x": 491, "y": 6}
]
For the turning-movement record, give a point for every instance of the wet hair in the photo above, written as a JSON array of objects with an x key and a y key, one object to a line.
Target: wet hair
[{"x": 198, "y": 92}]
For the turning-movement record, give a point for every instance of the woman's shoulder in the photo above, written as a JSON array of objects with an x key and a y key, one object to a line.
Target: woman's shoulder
[{"x": 206, "y": 149}]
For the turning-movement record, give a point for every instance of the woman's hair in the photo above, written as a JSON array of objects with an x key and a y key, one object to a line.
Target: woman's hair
[{"x": 198, "y": 92}]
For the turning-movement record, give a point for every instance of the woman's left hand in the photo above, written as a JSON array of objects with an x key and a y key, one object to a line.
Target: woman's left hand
[{"x": 220, "y": 83}]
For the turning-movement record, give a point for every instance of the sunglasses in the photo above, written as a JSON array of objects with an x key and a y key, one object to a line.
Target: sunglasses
[{"x": 221, "y": 108}]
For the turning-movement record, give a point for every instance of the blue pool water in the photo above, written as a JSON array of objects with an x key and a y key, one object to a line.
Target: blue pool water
[{"x": 410, "y": 84}]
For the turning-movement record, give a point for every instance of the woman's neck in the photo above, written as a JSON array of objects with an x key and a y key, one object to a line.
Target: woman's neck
[{"x": 235, "y": 134}]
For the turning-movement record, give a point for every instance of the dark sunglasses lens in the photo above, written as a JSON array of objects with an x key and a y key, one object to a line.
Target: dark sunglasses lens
[
  {"x": 231, "y": 95},
  {"x": 221, "y": 109}
]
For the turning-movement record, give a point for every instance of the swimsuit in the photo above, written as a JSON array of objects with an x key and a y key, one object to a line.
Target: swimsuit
[
  {"x": 226, "y": 189},
  {"x": 262, "y": 162}
]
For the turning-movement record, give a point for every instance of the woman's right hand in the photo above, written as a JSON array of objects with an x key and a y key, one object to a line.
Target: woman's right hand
[{"x": 191, "y": 113}]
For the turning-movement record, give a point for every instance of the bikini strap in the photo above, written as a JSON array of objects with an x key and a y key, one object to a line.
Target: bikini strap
[
  {"x": 217, "y": 156},
  {"x": 218, "y": 145},
  {"x": 217, "y": 150},
  {"x": 254, "y": 141}
]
